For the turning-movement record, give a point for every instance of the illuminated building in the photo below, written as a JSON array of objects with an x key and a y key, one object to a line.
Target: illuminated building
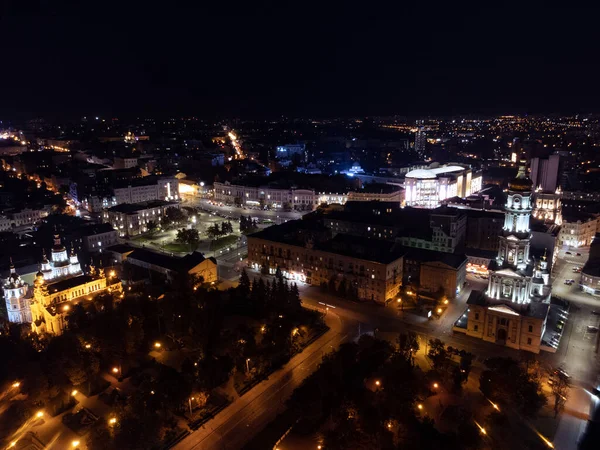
[
  {"x": 428, "y": 187},
  {"x": 304, "y": 252},
  {"x": 301, "y": 199},
  {"x": 58, "y": 286},
  {"x": 514, "y": 308},
  {"x": 131, "y": 219},
  {"x": 590, "y": 274},
  {"x": 545, "y": 177},
  {"x": 578, "y": 229}
]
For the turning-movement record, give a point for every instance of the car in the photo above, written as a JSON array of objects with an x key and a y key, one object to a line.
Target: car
[
  {"x": 596, "y": 313},
  {"x": 592, "y": 329},
  {"x": 568, "y": 253},
  {"x": 578, "y": 254}
]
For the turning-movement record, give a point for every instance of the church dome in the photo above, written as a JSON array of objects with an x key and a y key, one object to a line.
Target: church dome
[{"x": 521, "y": 182}]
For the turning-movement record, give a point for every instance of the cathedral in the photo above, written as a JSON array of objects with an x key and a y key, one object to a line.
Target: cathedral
[
  {"x": 59, "y": 284},
  {"x": 512, "y": 311}
]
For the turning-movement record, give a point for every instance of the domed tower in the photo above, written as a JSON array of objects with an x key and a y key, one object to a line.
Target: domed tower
[
  {"x": 74, "y": 267},
  {"x": 516, "y": 235},
  {"x": 46, "y": 267},
  {"x": 15, "y": 296}
]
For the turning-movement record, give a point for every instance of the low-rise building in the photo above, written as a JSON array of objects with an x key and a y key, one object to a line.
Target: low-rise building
[
  {"x": 590, "y": 274},
  {"x": 274, "y": 197},
  {"x": 578, "y": 229},
  {"x": 377, "y": 192},
  {"x": 370, "y": 268},
  {"x": 169, "y": 266},
  {"x": 95, "y": 238},
  {"x": 132, "y": 219}
]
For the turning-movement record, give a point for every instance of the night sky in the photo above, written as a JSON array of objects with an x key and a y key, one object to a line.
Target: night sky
[{"x": 152, "y": 58}]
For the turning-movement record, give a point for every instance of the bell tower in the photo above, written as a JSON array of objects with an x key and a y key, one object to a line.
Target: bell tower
[{"x": 515, "y": 240}]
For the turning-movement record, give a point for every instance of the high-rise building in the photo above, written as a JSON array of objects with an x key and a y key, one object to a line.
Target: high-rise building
[
  {"x": 546, "y": 182},
  {"x": 420, "y": 138},
  {"x": 514, "y": 308},
  {"x": 544, "y": 173}
]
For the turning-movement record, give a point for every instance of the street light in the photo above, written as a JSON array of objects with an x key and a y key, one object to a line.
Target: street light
[
  {"x": 439, "y": 310},
  {"x": 157, "y": 345},
  {"x": 112, "y": 420},
  {"x": 16, "y": 384},
  {"x": 39, "y": 414},
  {"x": 435, "y": 385},
  {"x": 420, "y": 406},
  {"x": 378, "y": 383},
  {"x": 75, "y": 443},
  {"x": 247, "y": 365},
  {"x": 88, "y": 346},
  {"x": 73, "y": 392}
]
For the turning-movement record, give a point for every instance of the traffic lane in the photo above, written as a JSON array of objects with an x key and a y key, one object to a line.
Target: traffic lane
[
  {"x": 238, "y": 431},
  {"x": 237, "y": 211},
  {"x": 371, "y": 318},
  {"x": 258, "y": 411},
  {"x": 577, "y": 350}
]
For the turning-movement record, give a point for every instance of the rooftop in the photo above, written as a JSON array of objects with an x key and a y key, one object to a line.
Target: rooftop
[
  {"x": 91, "y": 230},
  {"x": 132, "y": 208},
  {"x": 173, "y": 263},
  {"x": 433, "y": 173},
  {"x": 537, "y": 310},
  {"x": 69, "y": 283}
]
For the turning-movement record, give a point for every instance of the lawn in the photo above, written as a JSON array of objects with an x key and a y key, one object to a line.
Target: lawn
[
  {"x": 176, "y": 247},
  {"x": 226, "y": 241}
]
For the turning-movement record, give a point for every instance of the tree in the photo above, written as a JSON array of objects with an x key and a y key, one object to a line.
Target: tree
[
  {"x": 214, "y": 231},
  {"x": 294, "y": 297},
  {"x": 560, "y": 389},
  {"x": 174, "y": 215},
  {"x": 437, "y": 353},
  {"x": 190, "y": 237},
  {"x": 244, "y": 285},
  {"x": 408, "y": 345},
  {"x": 151, "y": 226},
  {"x": 226, "y": 228}
]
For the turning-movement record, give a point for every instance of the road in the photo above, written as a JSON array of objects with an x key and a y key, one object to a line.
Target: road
[
  {"x": 235, "y": 212},
  {"x": 247, "y": 415}
]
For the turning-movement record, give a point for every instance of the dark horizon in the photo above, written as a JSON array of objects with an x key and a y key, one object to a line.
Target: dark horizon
[{"x": 75, "y": 60}]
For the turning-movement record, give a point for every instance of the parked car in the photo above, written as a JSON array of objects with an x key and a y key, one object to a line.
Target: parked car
[
  {"x": 568, "y": 253},
  {"x": 578, "y": 254}
]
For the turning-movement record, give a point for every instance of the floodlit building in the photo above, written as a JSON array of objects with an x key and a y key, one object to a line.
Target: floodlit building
[
  {"x": 132, "y": 219},
  {"x": 58, "y": 286},
  {"x": 428, "y": 187},
  {"x": 578, "y": 229},
  {"x": 514, "y": 308},
  {"x": 590, "y": 274}
]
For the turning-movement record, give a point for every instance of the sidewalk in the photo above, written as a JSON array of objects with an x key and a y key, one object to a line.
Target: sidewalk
[{"x": 262, "y": 403}]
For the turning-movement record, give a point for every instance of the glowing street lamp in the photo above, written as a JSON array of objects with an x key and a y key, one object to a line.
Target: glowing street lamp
[
  {"x": 420, "y": 406},
  {"x": 73, "y": 392},
  {"x": 377, "y": 383},
  {"x": 88, "y": 346},
  {"x": 435, "y": 385},
  {"x": 39, "y": 414},
  {"x": 112, "y": 420},
  {"x": 439, "y": 310},
  {"x": 75, "y": 444},
  {"x": 157, "y": 345},
  {"x": 16, "y": 384}
]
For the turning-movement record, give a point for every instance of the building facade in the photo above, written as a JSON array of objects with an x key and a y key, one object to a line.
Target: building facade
[
  {"x": 590, "y": 274},
  {"x": 376, "y": 276},
  {"x": 514, "y": 308},
  {"x": 428, "y": 187},
  {"x": 547, "y": 206},
  {"x": 132, "y": 219},
  {"x": 58, "y": 286},
  {"x": 95, "y": 238},
  {"x": 300, "y": 199},
  {"x": 578, "y": 230}
]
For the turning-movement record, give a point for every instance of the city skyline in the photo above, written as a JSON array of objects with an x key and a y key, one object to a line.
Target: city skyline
[{"x": 74, "y": 60}]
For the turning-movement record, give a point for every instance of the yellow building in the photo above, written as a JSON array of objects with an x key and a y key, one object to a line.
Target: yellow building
[{"x": 58, "y": 286}]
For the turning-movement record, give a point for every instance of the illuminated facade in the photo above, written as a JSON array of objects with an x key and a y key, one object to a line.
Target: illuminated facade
[
  {"x": 547, "y": 206},
  {"x": 133, "y": 219},
  {"x": 513, "y": 309},
  {"x": 301, "y": 199},
  {"x": 59, "y": 284},
  {"x": 428, "y": 187}
]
